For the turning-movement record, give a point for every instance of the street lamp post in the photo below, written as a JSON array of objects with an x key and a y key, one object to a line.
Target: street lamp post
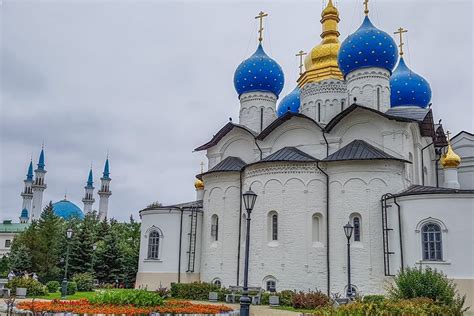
[
  {"x": 348, "y": 228},
  {"x": 94, "y": 247},
  {"x": 64, "y": 284},
  {"x": 249, "y": 201}
]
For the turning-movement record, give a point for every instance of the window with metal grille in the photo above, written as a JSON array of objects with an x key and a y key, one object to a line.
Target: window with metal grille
[
  {"x": 432, "y": 242},
  {"x": 8, "y": 243},
  {"x": 215, "y": 227},
  {"x": 153, "y": 244},
  {"x": 274, "y": 227},
  {"x": 356, "y": 224},
  {"x": 271, "y": 286}
]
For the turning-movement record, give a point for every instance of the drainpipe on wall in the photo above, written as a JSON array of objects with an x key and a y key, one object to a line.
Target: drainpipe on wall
[
  {"x": 327, "y": 230},
  {"x": 240, "y": 229},
  {"x": 180, "y": 243}
]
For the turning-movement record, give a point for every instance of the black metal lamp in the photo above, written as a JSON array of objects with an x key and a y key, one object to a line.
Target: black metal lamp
[
  {"x": 69, "y": 233},
  {"x": 348, "y": 229},
  {"x": 249, "y": 201}
]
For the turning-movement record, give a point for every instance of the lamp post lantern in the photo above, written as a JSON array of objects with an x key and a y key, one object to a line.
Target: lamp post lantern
[
  {"x": 69, "y": 232},
  {"x": 249, "y": 198},
  {"x": 348, "y": 228}
]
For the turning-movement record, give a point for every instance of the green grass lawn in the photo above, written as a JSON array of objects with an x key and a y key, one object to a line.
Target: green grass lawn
[
  {"x": 292, "y": 309},
  {"x": 76, "y": 296}
]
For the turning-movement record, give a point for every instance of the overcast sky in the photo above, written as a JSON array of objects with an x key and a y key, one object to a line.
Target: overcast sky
[{"x": 148, "y": 81}]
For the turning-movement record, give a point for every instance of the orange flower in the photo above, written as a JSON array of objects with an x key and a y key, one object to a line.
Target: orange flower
[{"x": 85, "y": 307}]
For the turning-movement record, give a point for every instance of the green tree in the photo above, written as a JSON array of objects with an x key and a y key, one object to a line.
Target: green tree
[
  {"x": 50, "y": 237},
  {"x": 82, "y": 251},
  {"x": 4, "y": 266},
  {"x": 20, "y": 259}
]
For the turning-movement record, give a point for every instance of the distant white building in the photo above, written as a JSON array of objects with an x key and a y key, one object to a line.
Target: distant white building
[
  {"x": 8, "y": 230},
  {"x": 354, "y": 142}
]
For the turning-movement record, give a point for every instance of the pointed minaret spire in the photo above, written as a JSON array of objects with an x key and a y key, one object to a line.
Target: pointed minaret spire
[
  {"x": 88, "y": 199},
  {"x": 104, "y": 192},
  {"x": 38, "y": 187},
  {"x": 27, "y": 195}
]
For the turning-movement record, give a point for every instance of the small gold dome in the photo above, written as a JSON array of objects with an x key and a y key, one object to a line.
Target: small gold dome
[
  {"x": 321, "y": 62},
  {"x": 198, "y": 184},
  {"x": 450, "y": 159}
]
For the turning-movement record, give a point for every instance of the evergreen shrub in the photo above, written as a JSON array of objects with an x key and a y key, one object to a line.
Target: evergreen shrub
[
  {"x": 138, "y": 298},
  {"x": 53, "y": 286},
  {"x": 84, "y": 281},
  {"x": 427, "y": 283},
  {"x": 71, "y": 288},
  {"x": 198, "y": 291},
  {"x": 373, "y": 298},
  {"x": 33, "y": 287}
]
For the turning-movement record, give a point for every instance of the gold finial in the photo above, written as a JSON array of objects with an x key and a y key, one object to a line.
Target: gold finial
[
  {"x": 450, "y": 159},
  {"x": 260, "y": 16},
  {"x": 366, "y": 7},
  {"x": 400, "y": 31},
  {"x": 199, "y": 184},
  {"x": 300, "y": 55}
]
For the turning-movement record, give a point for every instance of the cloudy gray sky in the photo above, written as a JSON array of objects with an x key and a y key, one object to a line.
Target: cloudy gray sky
[{"x": 149, "y": 81}]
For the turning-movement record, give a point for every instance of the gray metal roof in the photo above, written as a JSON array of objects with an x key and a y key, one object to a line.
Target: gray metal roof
[
  {"x": 421, "y": 189},
  {"x": 289, "y": 154},
  {"x": 196, "y": 205},
  {"x": 360, "y": 150},
  {"x": 416, "y": 114},
  {"x": 221, "y": 133},
  {"x": 228, "y": 164}
]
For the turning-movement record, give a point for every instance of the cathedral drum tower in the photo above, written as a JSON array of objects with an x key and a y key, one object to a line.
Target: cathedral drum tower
[{"x": 323, "y": 90}]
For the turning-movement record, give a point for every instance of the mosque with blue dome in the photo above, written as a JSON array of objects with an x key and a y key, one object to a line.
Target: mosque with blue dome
[
  {"x": 353, "y": 144},
  {"x": 35, "y": 186}
]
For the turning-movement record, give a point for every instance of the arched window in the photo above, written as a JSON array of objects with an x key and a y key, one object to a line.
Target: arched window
[
  {"x": 432, "y": 245},
  {"x": 217, "y": 282},
  {"x": 215, "y": 227},
  {"x": 342, "y": 105},
  {"x": 357, "y": 228},
  {"x": 319, "y": 112},
  {"x": 316, "y": 227},
  {"x": 271, "y": 285},
  {"x": 378, "y": 98},
  {"x": 272, "y": 226},
  {"x": 153, "y": 245}
]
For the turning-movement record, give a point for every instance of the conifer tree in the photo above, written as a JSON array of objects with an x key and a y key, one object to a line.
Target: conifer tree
[{"x": 20, "y": 259}]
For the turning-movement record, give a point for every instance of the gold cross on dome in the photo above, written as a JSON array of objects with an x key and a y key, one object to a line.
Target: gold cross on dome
[
  {"x": 400, "y": 31},
  {"x": 366, "y": 7},
  {"x": 202, "y": 166},
  {"x": 301, "y": 54},
  {"x": 447, "y": 135},
  {"x": 260, "y": 16}
]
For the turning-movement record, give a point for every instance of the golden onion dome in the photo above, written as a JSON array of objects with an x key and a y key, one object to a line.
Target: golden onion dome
[
  {"x": 450, "y": 159},
  {"x": 198, "y": 184},
  {"x": 321, "y": 62}
]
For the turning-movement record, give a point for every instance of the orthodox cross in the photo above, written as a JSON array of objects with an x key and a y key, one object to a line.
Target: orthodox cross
[
  {"x": 202, "y": 167},
  {"x": 400, "y": 31},
  {"x": 366, "y": 5},
  {"x": 301, "y": 54},
  {"x": 260, "y": 16},
  {"x": 447, "y": 135}
]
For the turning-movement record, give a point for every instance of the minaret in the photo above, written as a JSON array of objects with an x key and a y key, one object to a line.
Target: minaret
[
  {"x": 104, "y": 192},
  {"x": 323, "y": 90},
  {"x": 88, "y": 199},
  {"x": 450, "y": 162},
  {"x": 38, "y": 188},
  {"x": 27, "y": 195}
]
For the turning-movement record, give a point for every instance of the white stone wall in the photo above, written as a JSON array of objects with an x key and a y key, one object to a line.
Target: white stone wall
[
  {"x": 463, "y": 145},
  {"x": 221, "y": 198},
  {"x": 251, "y": 105},
  {"x": 4, "y": 236},
  {"x": 323, "y": 100},
  {"x": 370, "y": 86},
  {"x": 165, "y": 270},
  {"x": 455, "y": 214}
]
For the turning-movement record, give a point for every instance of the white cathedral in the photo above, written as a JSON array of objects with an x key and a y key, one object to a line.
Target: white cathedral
[
  {"x": 354, "y": 142},
  {"x": 35, "y": 186}
]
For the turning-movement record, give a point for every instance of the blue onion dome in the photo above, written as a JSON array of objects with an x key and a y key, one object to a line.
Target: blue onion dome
[
  {"x": 66, "y": 209},
  {"x": 408, "y": 88},
  {"x": 367, "y": 47},
  {"x": 259, "y": 72},
  {"x": 24, "y": 213},
  {"x": 290, "y": 103}
]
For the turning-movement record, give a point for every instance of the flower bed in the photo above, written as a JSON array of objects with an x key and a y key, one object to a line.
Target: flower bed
[{"x": 85, "y": 307}]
